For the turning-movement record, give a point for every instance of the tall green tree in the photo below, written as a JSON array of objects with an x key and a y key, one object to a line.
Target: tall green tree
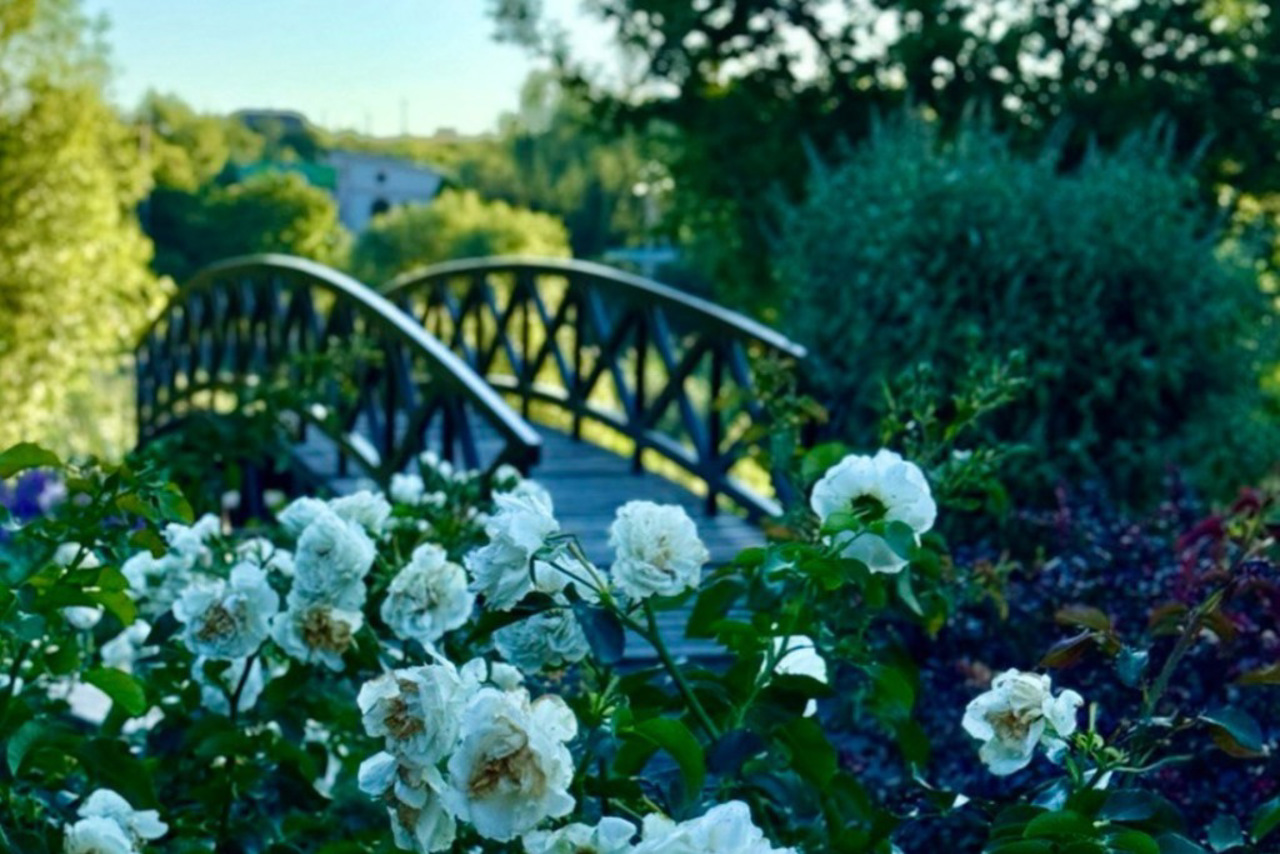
[
  {"x": 745, "y": 85},
  {"x": 267, "y": 212},
  {"x": 74, "y": 282},
  {"x": 457, "y": 224}
]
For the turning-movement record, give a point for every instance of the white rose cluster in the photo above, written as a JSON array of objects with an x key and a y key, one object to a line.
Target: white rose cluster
[
  {"x": 109, "y": 825},
  {"x": 335, "y": 551},
  {"x": 465, "y": 744},
  {"x": 885, "y": 482},
  {"x": 724, "y": 829},
  {"x": 1019, "y": 714}
]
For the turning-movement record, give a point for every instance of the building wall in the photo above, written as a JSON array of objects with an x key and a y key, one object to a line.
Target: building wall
[{"x": 368, "y": 184}]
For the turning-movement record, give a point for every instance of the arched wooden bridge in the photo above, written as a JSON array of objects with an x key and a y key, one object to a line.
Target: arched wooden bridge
[{"x": 603, "y": 385}]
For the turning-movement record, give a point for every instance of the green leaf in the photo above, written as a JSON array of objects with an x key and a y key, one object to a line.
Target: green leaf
[
  {"x": 901, "y": 538},
  {"x": 893, "y": 695},
  {"x": 111, "y": 765},
  {"x": 676, "y": 739},
  {"x": 1268, "y": 675},
  {"x": 812, "y": 756},
  {"x": 20, "y": 744},
  {"x": 174, "y": 505},
  {"x": 1235, "y": 732},
  {"x": 1021, "y": 846},
  {"x": 820, "y": 458},
  {"x": 1068, "y": 651},
  {"x": 1174, "y": 843},
  {"x": 712, "y": 605},
  {"x": 1085, "y": 616},
  {"x": 907, "y": 594},
  {"x": 732, "y": 749},
  {"x": 1064, "y": 823},
  {"x": 121, "y": 687},
  {"x": 135, "y": 505},
  {"x": 1138, "y": 805},
  {"x": 26, "y": 455},
  {"x": 1225, "y": 833},
  {"x": 1132, "y": 841},
  {"x": 1266, "y": 819}
]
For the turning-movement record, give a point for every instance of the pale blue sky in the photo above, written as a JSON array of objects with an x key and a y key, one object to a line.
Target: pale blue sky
[{"x": 345, "y": 63}]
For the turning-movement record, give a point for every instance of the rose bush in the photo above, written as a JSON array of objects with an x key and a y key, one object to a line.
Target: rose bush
[{"x": 443, "y": 668}]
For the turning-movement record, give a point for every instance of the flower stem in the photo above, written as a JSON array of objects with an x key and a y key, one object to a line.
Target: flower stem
[
  {"x": 654, "y": 637},
  {"x": 224, "y": 820}
]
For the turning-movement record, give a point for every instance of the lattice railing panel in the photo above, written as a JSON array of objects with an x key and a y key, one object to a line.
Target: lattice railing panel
[
  {"x": 243, "y": 322},
  {"x": 672, "y": 373}
]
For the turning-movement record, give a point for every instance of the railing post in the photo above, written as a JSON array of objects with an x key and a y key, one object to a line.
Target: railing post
[
  {"x": 577, "y": 394},
  {"x": 523, "y": 288},
  {"x": 637, "y": 417},
  {"x": 715, "y": 429}
]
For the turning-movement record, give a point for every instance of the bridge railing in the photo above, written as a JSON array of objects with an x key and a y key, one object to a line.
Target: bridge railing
[
  {"x": 671, "y": 373},
  {"x": 242, "y": 321}
]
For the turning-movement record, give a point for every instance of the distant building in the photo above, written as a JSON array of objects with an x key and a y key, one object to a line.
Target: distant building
[
  {"x": 366, "y": 185},
  {"x": 269, "y": 121}
]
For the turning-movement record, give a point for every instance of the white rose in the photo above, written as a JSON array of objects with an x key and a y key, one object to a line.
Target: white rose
[
  {"x": 419, "y": 821},
  {"x": 428, "y": 597},
  {"x": 417, "y": 710},
  {"x": 800, "y": 658},
  {"x": 886, "y": 482},
  {"x": 156, "y": 583},
  {"x": 191, "y": 540},
  {"x": 123, "y": 650},
  {"x": 610, "y": 836},
  {"x": 227, "y": 620},
  {"x": 316, "y": 632},
  {"x": 97, "y": 836},
  {"x": 138, "y": 825},
  {"x": 551, "y": 638},
  {"x": 266, "y": 554},
  {"x": 333, "y": 557},
  {"x": 367, "y": 509},
  {"x": 82, "y": 617},
  {"x": 1017, "y": 714},
  {"x": 216, "y": 689},
  {"x": 407, "y": 489},
  {"x": 431, "y": 461},
  {"x": 300, "y": 513},
  {"x": 525, "y": 488},
  {"x": 504, "y": 570},
  {"x": 512, "y": 769},
  {"x": 723, "y": 829},
  {"x": 657, "y": 550}
]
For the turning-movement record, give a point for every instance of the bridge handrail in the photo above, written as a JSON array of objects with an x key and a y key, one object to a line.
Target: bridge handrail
[
  {"x": 714, "y": 315},
  {"x": 523, "y": 442}
]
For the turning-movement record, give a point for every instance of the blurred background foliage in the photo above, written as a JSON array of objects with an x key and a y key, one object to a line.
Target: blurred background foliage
[
  {"x": 74, "y": 279},
  {"x": 1143, "y": 329},
  {"x": 1109, "y": 212},
  {"x": 456, "y": 224}
]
